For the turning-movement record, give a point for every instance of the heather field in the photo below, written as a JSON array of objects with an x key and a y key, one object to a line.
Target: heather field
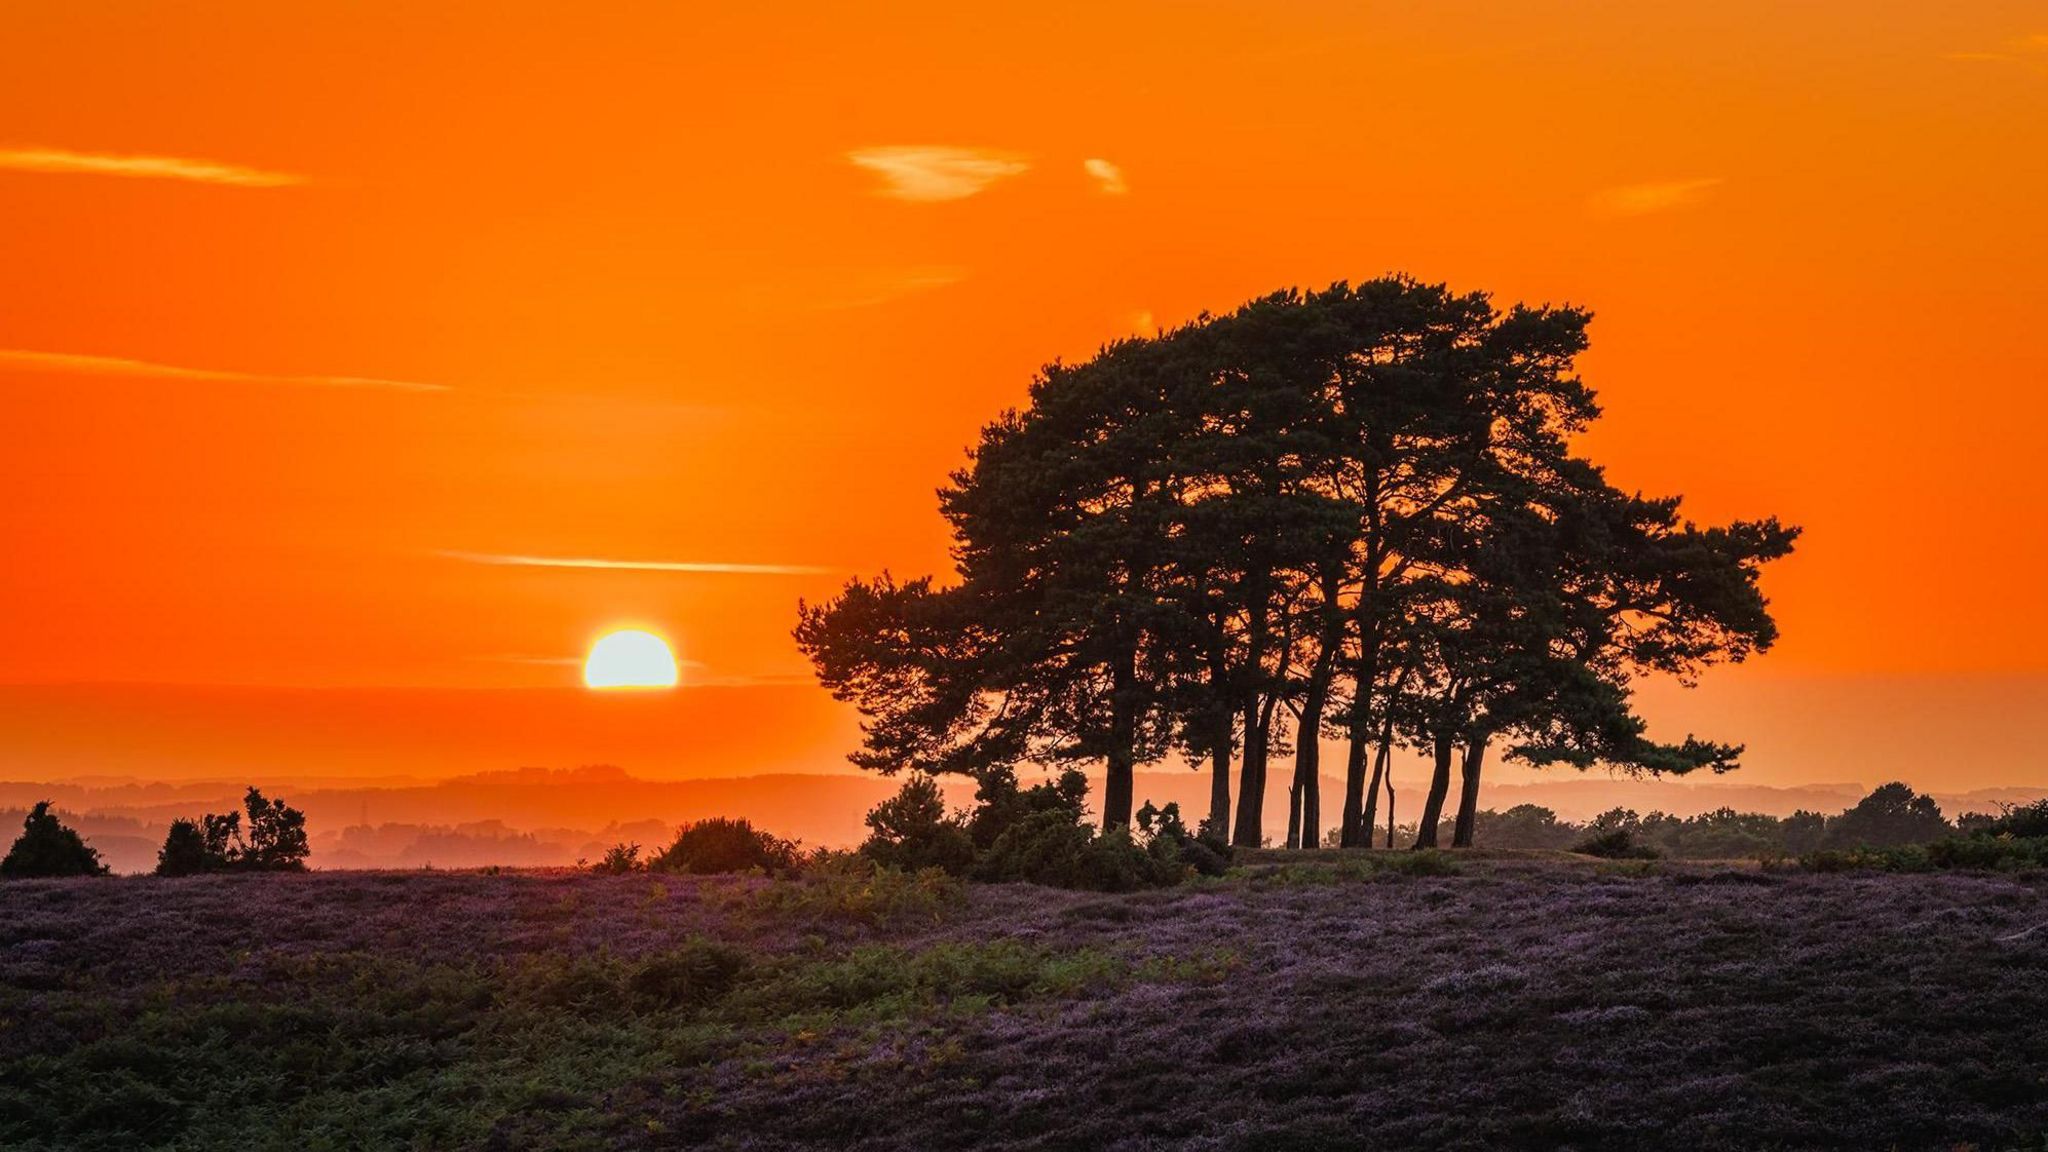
[{"x": 1390, "y": 1001}]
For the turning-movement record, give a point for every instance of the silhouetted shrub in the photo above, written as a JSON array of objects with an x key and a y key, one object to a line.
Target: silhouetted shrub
[
  {"x": 1615, "y": 843},
  {"x": 912, "y": 830},
  {"x": 1000, "y": 805},
  {"x": 720, "y": 844},
  {"x": 275, "y": 841},
  {"x": 619, "y": 860},
  {"x": 1891, "y": 816},
  {"x": 1164, "y": 827},
  {"x": 48, "y": 848},
  {"x": 2024, "y": 821},
  {"x": 1052, "y": 848}
]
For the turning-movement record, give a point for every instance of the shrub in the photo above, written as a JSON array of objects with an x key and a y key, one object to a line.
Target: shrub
[
  {"x": 619, "y": 860},
  {"x": 1892, "y": 816},
  {"x": 720, "y": 844},
  {"x": 911, "y": 830},
  {"x": 2025, "y": 821},
  {"x": 275, "y": 840},
  {"x": 1163, "y": 826},
  {"x": 48, "y": 848},
  {"x": 1000, "y": 805},
  {"x": 851, "y": 887},
  {"x": 1615, "y": 843},
  {"x": 693, "y": 976},
  {"x": 186, "y": 852},
  {"x": 1052, "y": 848}
]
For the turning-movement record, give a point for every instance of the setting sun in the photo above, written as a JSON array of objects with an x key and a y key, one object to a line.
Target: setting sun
[{"x": 630, "y": 659}]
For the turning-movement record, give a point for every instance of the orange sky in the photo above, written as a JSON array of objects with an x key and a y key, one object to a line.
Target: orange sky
[{"x": 736, "y": 289}]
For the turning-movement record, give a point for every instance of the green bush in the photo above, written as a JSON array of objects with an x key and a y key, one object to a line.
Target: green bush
[
  {"x": 1615, "y": 843},
  {"x": 1163, "y": 827},
  {"x": 693, "y": 976},
  {"x": 1052, "y": 848},
  {"x": 48, "y": 848},
  {"x": 912, "y": 830},
  {"x": 719, "y": 844}
]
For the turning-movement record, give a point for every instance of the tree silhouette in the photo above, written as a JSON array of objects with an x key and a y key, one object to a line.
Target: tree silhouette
[
  {"x": 1351, "y": 513},
  {"x": 47, "y": 847}
]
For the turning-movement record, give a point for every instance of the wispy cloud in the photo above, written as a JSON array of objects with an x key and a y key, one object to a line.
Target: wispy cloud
[
  {"x": 2027, "y": 50},
  {"x": 930, "y": 174},
  {"x": 1662, "y": 196},
  {"x": 1109, "y": 179},
  {"x": 711, "y": 567},
  {"x": 64, "y": 161},
  {"x": 120, "y": 366},
  {"x": 880, "y": 287}
]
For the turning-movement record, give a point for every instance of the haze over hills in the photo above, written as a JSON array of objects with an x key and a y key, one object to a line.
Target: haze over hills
[{"x": 543, "y": 817}]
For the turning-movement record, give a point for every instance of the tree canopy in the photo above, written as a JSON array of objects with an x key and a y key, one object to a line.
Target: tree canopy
[
  {"x": 48, "y": 848},
  {"x": 1351, "y": 514}
]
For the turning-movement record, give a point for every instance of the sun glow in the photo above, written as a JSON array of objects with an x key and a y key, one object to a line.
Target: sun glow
[{"x": 630, "y": 659}]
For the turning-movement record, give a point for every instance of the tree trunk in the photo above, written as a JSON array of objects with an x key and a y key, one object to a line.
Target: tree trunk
[
  {"x": 1390, "y": 809},
  {"x": 1356, "y": 829},
  {"x": 1123, "y": 738},
  {"x": 1439, "y": 787},
  {"x": 1468, "y": 793},
  {"x": 1382, "y": 761},
  {"x": 1308, "y": 800},
  {"x": 1251, "y": 782},
  {"x": 1294, "y": 815},
  {"x": 1219, "y": 783}
]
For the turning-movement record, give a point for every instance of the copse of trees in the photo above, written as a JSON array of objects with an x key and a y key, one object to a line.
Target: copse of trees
[
  {"x": 47, "y": 847},
  {"x": 272, "y": 840},
  {"x": 1351, "y": 514}
]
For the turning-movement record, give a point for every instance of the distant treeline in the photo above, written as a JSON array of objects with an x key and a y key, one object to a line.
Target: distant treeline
[{"x": 1892, "y": 816}]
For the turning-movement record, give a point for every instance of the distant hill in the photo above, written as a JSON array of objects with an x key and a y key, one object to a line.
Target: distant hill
[{"x": 542, "y": 816}]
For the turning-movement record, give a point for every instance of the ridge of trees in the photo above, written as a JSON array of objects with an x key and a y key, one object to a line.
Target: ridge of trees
[{"x": 1354, "y": 514}]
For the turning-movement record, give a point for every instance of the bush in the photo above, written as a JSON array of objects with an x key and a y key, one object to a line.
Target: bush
[
  {"x": 720, "y": 844},
  {"x": 911, "y": 830},
  {"x": 48, "y": 848},
  {"x": 1615, "y": 843},
  {"x": 1000, "y": 805},
  {"x": 275, "y": 841},
  {"x": 1053, "y": 849},
  {"x": 1164, "y": 827},
  {"x": 619, "y": 860},
  {"x": 2023, "y": 821},
  {"x": 693, "y": 976},
  {"x": 1892, "y": 816}
]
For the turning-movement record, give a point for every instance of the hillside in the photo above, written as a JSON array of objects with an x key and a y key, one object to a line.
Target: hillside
[{"x": 1518, "y": 1001}]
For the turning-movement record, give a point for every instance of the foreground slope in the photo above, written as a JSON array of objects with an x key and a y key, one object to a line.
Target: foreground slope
[{"x": 1514, "y": 1002}]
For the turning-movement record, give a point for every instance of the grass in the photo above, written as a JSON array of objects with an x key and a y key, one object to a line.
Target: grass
[{"x": 1398, "y": 999}]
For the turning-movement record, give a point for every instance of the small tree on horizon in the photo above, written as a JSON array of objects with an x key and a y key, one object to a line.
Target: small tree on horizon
[{"x": 47, "y": 847}]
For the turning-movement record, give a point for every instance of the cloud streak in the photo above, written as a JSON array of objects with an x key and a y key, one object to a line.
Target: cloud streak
[
  {"x": 932, "y": 174},
  {"x": 83, "y": 365},
  {"x": 1109, "y": 179},
  {"x": 60, "y": 161},
  {"x": 1644, "y": 199},
  {"x": 702, "y": 567}
]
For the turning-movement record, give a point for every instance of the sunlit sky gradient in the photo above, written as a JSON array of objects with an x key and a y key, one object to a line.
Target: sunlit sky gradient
[{"x": 329, "y": 332}]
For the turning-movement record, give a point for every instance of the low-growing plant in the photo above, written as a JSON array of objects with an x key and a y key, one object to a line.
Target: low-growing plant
[
  {"x": 720, "y": 844},
  {"x": 619, "y": 860},
  {"x": 1615, "y": 843},
  {"x": 854, "y": 889}
]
